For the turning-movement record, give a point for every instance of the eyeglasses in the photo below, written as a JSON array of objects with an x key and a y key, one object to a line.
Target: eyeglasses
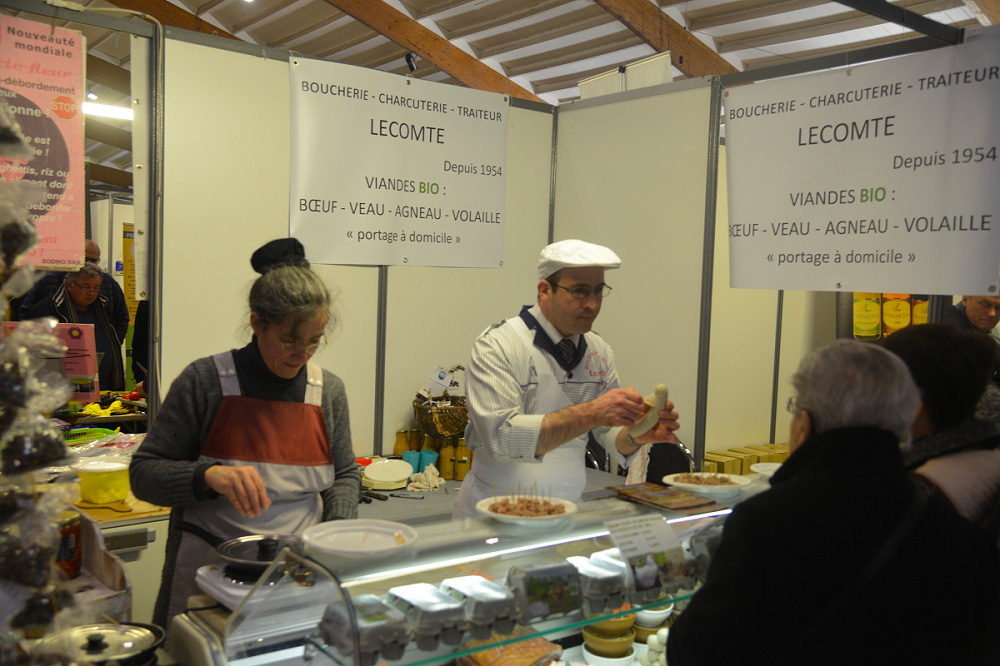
[
  {"x": 307, "y": 347},
  {"x": 793, "y": 406},
  {"x": 87, "y": 289},
  {"x": 583, "y": 293}
]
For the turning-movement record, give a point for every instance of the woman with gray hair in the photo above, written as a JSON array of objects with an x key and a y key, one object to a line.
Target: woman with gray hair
[
  {"x": 849, "y": 385},
  {"x": 828, "y": 565},
  {"x": 254, "y": 440}
]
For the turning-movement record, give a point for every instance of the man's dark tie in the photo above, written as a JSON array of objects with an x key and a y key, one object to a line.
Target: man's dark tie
[{"x": 567, "y": 348}]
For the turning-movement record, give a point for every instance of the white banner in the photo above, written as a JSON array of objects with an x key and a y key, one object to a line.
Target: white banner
[
  {"x": 878, "y": 178},
  {"x": 389, "y": 170}
]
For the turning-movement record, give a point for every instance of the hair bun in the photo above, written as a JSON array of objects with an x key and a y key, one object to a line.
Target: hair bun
[{"x": 278, "y": 253}]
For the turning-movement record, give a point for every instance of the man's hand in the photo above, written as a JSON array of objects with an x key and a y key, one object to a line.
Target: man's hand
[
  {"x": 617, "y": 407},
  {"x": 664, "y": 429},
  {"x": 242, "y": 485}
]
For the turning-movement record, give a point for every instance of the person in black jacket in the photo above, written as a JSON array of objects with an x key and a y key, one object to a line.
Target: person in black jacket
[
  {"x": 79, "y": 300},
  {"x": 50, "y": 283},
  {"x": 980, "y": 314},
  {"x": 844, "y": 560}
]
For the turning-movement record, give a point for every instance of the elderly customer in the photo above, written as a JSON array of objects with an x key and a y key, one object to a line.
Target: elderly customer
[
  {"x": 980, "y": 314},
  {"x": 79, "y": 300},
  {"x": 255, "y": 440},
  {"x": 838, "y": 561}
]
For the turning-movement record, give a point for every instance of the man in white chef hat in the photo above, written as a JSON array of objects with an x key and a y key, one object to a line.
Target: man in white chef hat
[{"x": 538, "y": 383}]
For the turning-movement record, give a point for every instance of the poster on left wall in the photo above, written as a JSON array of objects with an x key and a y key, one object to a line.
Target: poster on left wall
[{"x": 42, "y": 87}]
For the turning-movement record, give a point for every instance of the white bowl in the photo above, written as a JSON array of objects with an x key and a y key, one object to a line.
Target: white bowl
[
  {"x": 340, "y": 543},
  {"x": 766, "y": 470},
  {"x": 597, "y": 660},
  {"x": 653, "y": 617},
  {"x": 731, "y": 489}
]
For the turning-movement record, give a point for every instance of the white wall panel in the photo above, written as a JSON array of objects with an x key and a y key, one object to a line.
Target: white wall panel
[
  {"x": 631, "y": 175},
  {"x": 225, "y": 194}
]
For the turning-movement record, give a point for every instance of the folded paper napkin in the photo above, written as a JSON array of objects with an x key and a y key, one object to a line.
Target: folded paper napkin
[{"x": 429, "y": 479}]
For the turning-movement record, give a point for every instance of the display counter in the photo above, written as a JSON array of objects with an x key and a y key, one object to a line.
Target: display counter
[
  {"x": 436, "y": 505},
  {"x": 326, "y": 610}
]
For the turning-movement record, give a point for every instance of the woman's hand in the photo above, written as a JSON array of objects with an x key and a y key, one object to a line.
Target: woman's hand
[{"x": 242, "y": 485}]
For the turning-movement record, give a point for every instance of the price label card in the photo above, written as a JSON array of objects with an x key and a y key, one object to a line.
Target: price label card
[{"x": 652, "y": 552}]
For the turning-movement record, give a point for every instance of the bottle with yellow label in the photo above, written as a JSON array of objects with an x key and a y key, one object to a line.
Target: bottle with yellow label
[
  {"x": 920, "y": 304},
  {"x": 895, "y": 312},
  {"x": 446, "y": 459},
  {"x": 416, "y": 436},
  {"x": 402, "y": 443},
  {"x": 867, "y": 316},
  {"x": 463, "y": 459},
  {"x": 431, "y": 443}
]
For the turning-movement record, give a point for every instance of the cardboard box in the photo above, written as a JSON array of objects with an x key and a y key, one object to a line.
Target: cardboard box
[
  {"x": 746, "y": 451},
  {"x": 727, "y": 464},
  {"x": 766, "y": 454}
]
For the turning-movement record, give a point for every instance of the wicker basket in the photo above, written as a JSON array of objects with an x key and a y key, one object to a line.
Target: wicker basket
[{"x": 441, "y": 421}]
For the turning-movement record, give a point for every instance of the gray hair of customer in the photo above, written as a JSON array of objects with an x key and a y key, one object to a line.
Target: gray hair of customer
[
  {"x": 89, "y": 270},
  {"x": 854, "y": 384},
  {"x": 291, "y": 290}
]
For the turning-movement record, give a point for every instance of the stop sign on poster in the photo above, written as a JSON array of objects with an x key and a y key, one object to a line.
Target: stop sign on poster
[{"x": 64, "y": 107}]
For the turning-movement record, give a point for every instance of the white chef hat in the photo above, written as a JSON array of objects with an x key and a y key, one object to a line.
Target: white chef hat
[{"x": 574, "y": 254}]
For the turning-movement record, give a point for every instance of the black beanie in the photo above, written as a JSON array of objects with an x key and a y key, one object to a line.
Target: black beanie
[{"x": 278, "y": 252}]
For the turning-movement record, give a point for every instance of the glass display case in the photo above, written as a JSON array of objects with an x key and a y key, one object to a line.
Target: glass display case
[{"x": 457, "y": 589}]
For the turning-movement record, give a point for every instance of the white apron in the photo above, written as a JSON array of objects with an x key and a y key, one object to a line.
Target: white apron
[{"x": 561, "y": 472}]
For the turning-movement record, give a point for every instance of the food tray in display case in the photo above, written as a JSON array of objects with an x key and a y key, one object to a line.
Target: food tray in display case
[{"x": 417, "y": 611}]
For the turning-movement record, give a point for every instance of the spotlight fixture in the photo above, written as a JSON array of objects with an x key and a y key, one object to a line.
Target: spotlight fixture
[{"x": 411, "y": 61}]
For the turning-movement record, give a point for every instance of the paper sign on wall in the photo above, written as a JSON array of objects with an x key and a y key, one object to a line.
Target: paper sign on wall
[
  {"x": 390, "y": 170},
  {"x": 42, "y": 84},
  {"x": 876, "y": 178}
]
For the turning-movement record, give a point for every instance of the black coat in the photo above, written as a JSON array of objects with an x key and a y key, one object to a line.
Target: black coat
[{"x": 788, "y": 552}]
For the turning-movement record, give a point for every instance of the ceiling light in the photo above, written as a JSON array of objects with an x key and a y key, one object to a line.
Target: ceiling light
[
  {"x": 107, "y": 110},
  {"x": 91, "y": 96}
]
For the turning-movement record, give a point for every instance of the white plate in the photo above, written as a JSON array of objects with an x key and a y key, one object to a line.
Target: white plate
[
  {"x": 765, "y": 469},
  {"x": 359, "y": 538},
  {"x": 715, "y": 491},
  {"x": 388, "y": 471},
  {"x": 483, "y": 508}
]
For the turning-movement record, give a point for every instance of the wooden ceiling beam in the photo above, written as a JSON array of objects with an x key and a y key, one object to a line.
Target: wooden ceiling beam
[
  {"x": 267, "y": 12},
  {"x": 170, "y": 14},
  {"x": 103, "y": 72},
  {"x": 284, "y": 40},
  {"x": 412, "y": 36},
  {"x": 987, "y": 12},
  {"x": 102, "y": 132},
  {"x": 543, "y": 31},
  {"x": 473, "y": 22},
  {"x": 743, "y": 10},
  {"x": 109, "y": 175},
  {"x": 687, "y": 53},
  {"x": 842, "y": 22},
  {"x": 757, "y": 63},
  {"x": 434, "y": 8},
  {"x": 618, "y": 41}
]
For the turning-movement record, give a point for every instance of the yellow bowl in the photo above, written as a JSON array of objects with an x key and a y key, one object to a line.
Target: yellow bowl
[
  {"x": 604, "y": 645},
  {"x": 615, "y": 626},
  {"x": 102, "y": 480}
]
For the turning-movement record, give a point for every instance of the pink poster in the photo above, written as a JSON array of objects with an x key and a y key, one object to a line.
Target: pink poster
[
  {"x": 79, "y": 365},
  {"x": 42, "y": 83}
]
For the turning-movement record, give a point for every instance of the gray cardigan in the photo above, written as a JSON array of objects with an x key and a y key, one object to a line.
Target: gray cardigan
[{"x": 165, "y": 469}]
